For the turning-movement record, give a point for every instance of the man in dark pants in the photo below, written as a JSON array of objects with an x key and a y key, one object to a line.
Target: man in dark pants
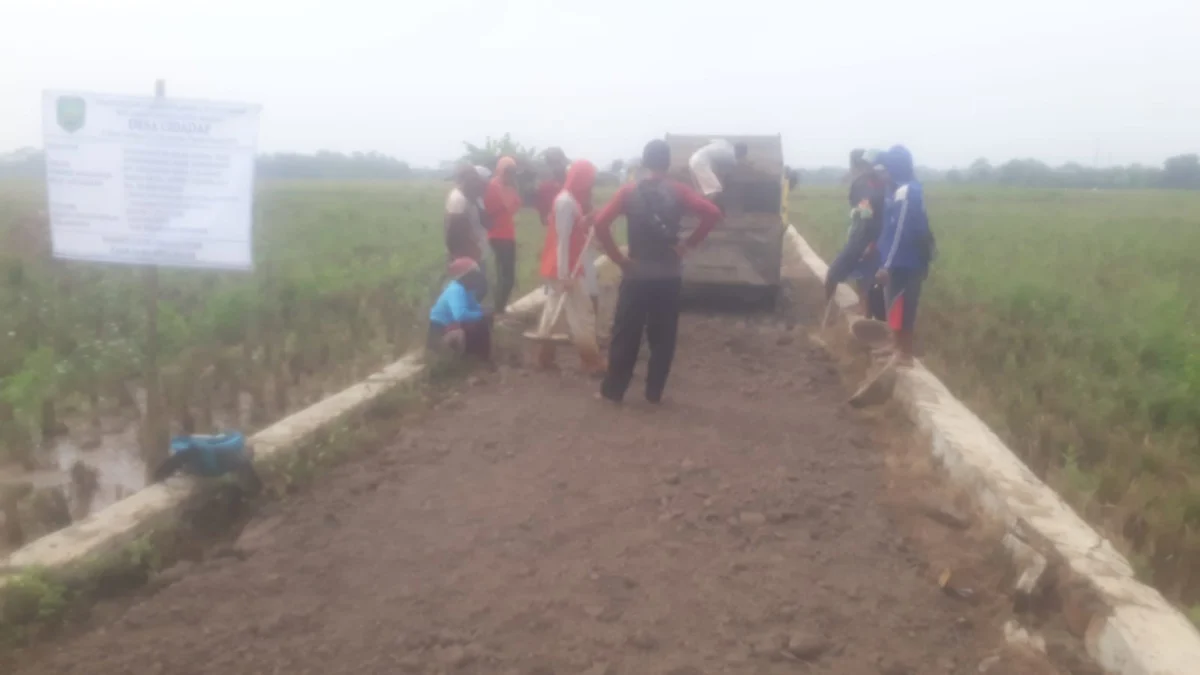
[
  {"x": 859, "y": 258},
  {"x": 648, "y": 300}
]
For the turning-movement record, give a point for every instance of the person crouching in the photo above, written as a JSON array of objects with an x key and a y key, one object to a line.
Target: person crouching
[{"x": 457, "y": 323}]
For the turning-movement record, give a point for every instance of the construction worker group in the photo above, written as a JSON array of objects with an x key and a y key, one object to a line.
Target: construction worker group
[{"x": 887, "y": 254}]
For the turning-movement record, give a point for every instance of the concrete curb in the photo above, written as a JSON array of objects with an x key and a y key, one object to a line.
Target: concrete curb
[
  {"x": 158, "y": 506},
  {"x": 1128, "y": 628}
]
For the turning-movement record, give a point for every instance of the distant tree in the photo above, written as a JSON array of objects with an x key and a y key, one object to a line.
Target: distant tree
[
  {"x": 494, "y": 148},
  {"x": 1182, "y": 172},
  {"x": 980, "y": 171},
  {"x": 617, "y": 166},
  {"x": 332, "y": 165}
]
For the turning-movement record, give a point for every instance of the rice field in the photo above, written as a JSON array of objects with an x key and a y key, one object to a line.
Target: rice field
[
  {"x": 1070, "y": 321},
  {"x": 1066, "y": 319}
]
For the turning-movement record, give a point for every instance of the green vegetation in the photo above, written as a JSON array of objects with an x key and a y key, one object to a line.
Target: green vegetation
[
  {"x": 344, "y": 274},
  {"x": 1069, "y": 321}
]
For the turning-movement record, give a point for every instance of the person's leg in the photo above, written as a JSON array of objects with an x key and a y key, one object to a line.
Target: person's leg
[
  {"x": 479, "y": 339},
  {"x": 876, "y": 304},
  {"x": 505, "y": 253},
  {"x": 662, "y": 328},
  {"x": 904, "y": 292},
  {"x": 629, "y": 321},
  {"x": 550, "y": 322},
  {"x": 581, "y": 322}
]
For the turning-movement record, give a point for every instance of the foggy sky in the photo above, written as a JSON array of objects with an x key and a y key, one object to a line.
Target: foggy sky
[{"x": 1058, "y": 80}]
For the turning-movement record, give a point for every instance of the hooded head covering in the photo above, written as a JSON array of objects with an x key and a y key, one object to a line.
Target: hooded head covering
[
  {"x": 460, "y": 267},
  {"x": 899, "y": 164},
  {"x": 580, "y": 179},
  {"x": 504, "y": 165}
]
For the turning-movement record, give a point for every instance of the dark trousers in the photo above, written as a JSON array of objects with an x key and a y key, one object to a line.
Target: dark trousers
[
  {"x": 650, "y": 306},
  {"x": 506, "y": 271},
  {"x": 477, "y": 338}
]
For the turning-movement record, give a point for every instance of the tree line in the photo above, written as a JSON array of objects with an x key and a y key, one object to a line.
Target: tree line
[{"x": 1181, "y": 172}]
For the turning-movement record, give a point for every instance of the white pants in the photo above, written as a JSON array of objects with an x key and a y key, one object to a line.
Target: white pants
[
  {"x": 590, "y": 282},
  {"x": 702, "y": 172},
  {"x": 576, "y": 313}
]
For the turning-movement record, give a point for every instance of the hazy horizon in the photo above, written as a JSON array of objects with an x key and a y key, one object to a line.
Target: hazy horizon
[{"x": 1061, "y": 81}]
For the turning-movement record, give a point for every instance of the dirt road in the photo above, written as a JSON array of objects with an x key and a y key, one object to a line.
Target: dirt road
[{"x": 748, "y": 525}]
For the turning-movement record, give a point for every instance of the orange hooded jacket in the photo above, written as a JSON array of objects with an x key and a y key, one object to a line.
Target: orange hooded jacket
[{"x": 575, "y": 201}]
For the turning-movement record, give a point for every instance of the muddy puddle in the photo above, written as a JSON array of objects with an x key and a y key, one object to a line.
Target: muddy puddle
[{"x": 94, "y": 465}]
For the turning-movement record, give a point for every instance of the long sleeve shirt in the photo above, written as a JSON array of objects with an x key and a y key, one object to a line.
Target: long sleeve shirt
[
  {"x": 688, "y": 201},
  {"x": 456, "y": 305}
]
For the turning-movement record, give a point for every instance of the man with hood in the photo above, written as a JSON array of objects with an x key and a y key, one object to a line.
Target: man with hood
[
  {"x": 907, "y": 247},
  {"x": 501, "y": 202},
  {"x": 562, "y": 268},
  {"x": 859, "y": 258},
  {"x": 652, "y": 278}
]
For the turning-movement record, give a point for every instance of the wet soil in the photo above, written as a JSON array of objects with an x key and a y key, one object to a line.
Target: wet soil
[{"x": 752, "y": 523}]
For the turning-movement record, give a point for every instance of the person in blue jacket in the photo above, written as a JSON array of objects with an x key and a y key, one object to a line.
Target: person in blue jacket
[
  {"x": 906, "y": 247},
  {"x": 457, "y": 322}
]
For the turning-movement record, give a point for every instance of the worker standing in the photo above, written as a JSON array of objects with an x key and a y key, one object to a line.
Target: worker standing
[
  {"x": 501, "y": 202},
  {"x": 907, "y": 246},
  {"x": 648, "y": 300},
  {"x": 464, "y": 219},
  {"x": 712, "y": 167},
  {"x": 562, "y": 269},
  {"x": 859, "y": 258}
]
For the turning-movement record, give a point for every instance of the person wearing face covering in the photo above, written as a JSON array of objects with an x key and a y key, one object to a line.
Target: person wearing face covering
[
  {"x": 501, "y": 202},
  {"x": 562, "y": 269}
]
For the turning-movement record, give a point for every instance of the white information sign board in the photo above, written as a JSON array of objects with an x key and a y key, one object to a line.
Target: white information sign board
[{"x": 150, "y": 181}]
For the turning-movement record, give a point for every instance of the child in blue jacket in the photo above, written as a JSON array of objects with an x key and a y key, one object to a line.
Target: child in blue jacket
[
  {"x": 906, "y": 245},
  {"x": 457, "y": 322}
]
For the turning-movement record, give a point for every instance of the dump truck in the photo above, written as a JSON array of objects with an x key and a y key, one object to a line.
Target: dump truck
[{"x": 744, "y": 252}]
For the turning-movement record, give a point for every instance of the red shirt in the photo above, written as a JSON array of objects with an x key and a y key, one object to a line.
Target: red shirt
[
  {"x": 693, "y": 203},
  {"x": 502, "y": 203},
  {"x": 547, "y": 191}
]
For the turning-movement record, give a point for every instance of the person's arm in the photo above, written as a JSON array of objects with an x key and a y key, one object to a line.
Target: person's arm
[
  {"x": 462, "y": 309},
  {"x": 902, "y": 200},
  {"x": 614, "y": 209},
  {"x": 695, "y": 204},
  {"x": 564, "y": 222},
  {"x": 493, "y": 200}
]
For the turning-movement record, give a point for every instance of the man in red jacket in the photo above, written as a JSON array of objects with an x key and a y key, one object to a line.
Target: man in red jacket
[{"x": 648, "y": 300}]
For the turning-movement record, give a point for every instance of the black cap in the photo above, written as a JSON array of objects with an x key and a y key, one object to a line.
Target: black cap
[{"x": 656, "y": 156}]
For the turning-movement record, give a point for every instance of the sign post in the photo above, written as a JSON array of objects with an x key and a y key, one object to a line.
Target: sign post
[
  {"x": 155, "y": 435},
  {"x": 150, "y": 182}
]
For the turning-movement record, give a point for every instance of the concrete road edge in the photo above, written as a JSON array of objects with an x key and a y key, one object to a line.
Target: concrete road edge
[{"x": 1128, "y": 628}]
